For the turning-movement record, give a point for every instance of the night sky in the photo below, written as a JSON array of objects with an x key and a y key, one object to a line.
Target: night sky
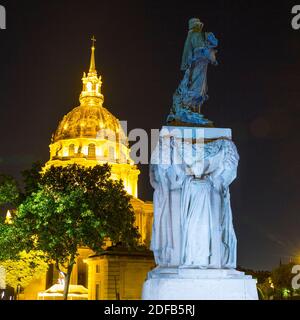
[{"x": 255, "y": 90}]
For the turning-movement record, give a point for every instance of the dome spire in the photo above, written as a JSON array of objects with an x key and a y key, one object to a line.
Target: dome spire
[
  {"x": 91, "y": 91},
  {"x": 93, "y": 63}
]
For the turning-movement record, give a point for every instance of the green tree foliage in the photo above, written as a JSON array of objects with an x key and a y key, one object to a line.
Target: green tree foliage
[
  {"x": 265, "y": 289},
  {"x": 282, "y": 279},
  {"x": 26, "y": 267},
  {"x": 10, "y": 241},
  {"x": 10, "y": 196},
  {"x": 9, "y": 191},
  {"x": 76, "y": 206},
  {"x": 20, "y": 267},
  {"x": 31, "y": 178}
]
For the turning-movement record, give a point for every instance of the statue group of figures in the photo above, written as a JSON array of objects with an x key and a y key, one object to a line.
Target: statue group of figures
[
  {"x": 192, "y": 215},
  {"x": 191, "y": 169},
  {"x": 192, "y": 92}
]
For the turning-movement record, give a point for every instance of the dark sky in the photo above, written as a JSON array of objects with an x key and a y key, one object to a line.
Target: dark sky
[{"x": 255, "y": 90}]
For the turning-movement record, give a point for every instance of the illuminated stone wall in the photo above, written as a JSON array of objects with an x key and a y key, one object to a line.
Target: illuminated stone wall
[{"x": 118, "y": 276}]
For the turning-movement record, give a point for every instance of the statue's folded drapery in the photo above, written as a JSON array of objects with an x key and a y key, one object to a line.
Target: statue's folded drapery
[
  {"x": 162, "y": 240},
  {"x": 206, "y": 232},
  {"x": 192, "y": 91},
  {"x": 208, "y": 237},
  {"x": 165, "y": 178},
  {"x": 197, "y": 222},
  {"x": 193, "y": 87}
]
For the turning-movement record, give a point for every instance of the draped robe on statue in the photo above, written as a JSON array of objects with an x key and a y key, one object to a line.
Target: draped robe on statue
[
  {"x": 205, "y": 232},
  {"x": 208, "y": 237},
  {"x": 192, "y": 91},
  {"x": 166, "y": 179}
]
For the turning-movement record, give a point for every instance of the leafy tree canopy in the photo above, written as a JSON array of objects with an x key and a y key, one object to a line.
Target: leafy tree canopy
[
  {"x": 282, "y": 277},
  {"x": 10, "y": 241},
  {"x": 9, "y": 191},
  {"x": 75, "y": 206},
  {"x": 25, "y": 268},
  {"x": 31, "y": 178}
]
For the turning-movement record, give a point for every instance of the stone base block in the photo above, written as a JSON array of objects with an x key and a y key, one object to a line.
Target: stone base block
[{"x": 198, "y": 284}]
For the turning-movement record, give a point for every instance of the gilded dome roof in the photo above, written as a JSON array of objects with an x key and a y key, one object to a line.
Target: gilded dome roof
[{"x": 94, "y": 122}]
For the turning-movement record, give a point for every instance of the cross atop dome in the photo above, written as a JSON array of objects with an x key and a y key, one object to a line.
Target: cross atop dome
[
  {"x": 94, "y": 40},
  {"x": 91, "y": 92},
  {"x": 93, "y": 63}
]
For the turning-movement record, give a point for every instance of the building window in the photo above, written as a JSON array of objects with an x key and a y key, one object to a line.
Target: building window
[
  {"x": 92, "y": 151},
  {"x": 97, "y": 268},
  {"x": 89, "y": 87},
  {"x": 71, "y": 150},
  {"x": 97, "y": 293}
]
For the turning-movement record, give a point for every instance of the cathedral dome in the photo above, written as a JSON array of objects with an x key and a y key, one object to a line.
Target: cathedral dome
[
  {"x": 90, "y": 135},
  {"x": 90, "y": 122}
]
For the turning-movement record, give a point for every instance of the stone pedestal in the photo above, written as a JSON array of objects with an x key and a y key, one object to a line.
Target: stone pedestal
[{"x": 198, "y": 284}]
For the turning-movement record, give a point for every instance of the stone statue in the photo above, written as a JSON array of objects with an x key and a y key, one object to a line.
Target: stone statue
[
  {"x": 192, "y": 92},
  {"x": 166, "y": 179},
  {"x": 208, "y": 237},
  {"x": 191, "y": 169},
  {"x": 200, "y": 217}
]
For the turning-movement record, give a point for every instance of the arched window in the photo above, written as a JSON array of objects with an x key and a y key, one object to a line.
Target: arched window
[
  {"x": 89, "y": 87},
  {"x": 71, "y": 150},
  {"x": 92, "y": 151}
]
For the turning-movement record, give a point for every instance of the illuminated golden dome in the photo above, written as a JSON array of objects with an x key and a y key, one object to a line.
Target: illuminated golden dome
[
  {"x": 90, "y": 119},
  {"x": 90, "y": 135},
  {"x": 89, "y": 122}
]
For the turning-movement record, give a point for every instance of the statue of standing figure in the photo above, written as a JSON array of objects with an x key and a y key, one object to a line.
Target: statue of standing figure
[{"x": 192, "y": 92}]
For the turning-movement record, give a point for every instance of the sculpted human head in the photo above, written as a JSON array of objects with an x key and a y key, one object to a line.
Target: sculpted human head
[{"x": 195, "y": 24}]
